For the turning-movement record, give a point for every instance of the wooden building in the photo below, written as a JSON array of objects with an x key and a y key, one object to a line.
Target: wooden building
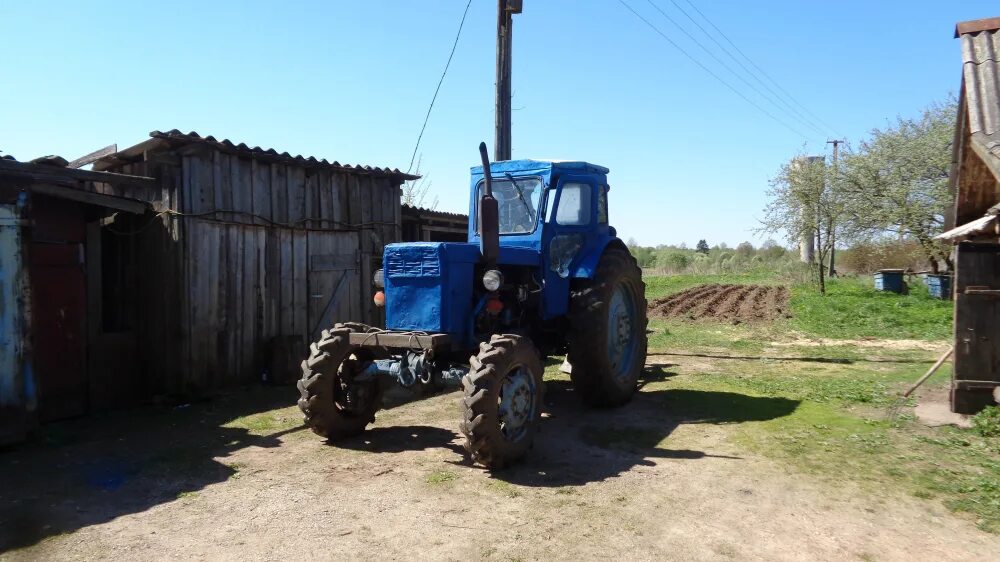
[
  {"x": 249, "y": 255},
  {"x": 51, "y": 220},
  {"x": 427, "y": 225},
  {"x": 975, "y": 230},
  {"x": 179, "y": 266}
]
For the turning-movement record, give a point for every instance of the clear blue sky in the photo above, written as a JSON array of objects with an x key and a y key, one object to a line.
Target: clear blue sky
[{"x": 351, "y": 81}]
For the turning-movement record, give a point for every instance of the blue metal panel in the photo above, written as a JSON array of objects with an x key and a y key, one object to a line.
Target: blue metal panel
[
  {"x": 18, "y": 400},
  {"x": 939, "y": 286},
  {"x": 525, "y": 166},
  {"x": 890, "y": 281},
  {"x": 591, "y": 256},
  {"x": 428, "y": 286}
]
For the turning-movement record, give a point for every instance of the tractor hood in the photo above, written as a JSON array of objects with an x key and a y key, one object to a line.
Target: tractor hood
[{"x": 429, "y": 285}]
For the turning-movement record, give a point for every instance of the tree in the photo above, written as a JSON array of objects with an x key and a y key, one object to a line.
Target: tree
[
  {"x": 702, "y": 247},
  {"x": 643, "y": 256},
  {"x": 745, "y": 250},
  {"x": 417, "y": 193},
  {"x": 898, "y": 180},
  {"x": 803, "y": 202}
]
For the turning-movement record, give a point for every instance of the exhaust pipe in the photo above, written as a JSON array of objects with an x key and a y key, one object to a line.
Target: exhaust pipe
[{"x": 489, "y": 215}]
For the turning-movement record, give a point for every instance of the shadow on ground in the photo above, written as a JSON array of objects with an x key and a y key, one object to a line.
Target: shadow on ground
[
  {"x": 577, "y": 445},
  {"x": 834, "y": 360},
  {"x": 92, "y": 470},
  {"x": 397, "y": 439}
]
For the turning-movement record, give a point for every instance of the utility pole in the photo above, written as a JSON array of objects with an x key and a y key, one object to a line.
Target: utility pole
[
  {"x": 505, "y": 10},
  {"x": 833, "y": 250}
]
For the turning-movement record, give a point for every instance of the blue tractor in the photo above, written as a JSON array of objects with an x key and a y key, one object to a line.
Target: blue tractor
[{"x": 542, "y": 273}]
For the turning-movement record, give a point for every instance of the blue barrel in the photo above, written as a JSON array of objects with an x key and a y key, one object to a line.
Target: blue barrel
[
  {"x": 939, "y": 286},
  {"x": 890, "y": 280}
]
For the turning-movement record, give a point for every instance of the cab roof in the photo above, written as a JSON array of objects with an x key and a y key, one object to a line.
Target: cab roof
[{"x": 520, "y": 166}]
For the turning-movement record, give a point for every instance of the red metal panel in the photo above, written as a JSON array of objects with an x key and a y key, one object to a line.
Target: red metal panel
[{"x": 59, "y": 300}]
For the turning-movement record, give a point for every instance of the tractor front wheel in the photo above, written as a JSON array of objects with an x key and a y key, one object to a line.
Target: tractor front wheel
[
  {"x": 334, "y": 404},
  {"x": 502, "y": 404},
  {"x": 607, "y": 341}
]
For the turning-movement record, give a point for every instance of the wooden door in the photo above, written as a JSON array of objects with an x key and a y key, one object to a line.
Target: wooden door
[
  {"x": 334, "y": 283},
  {"x": 58, "y": 313},
  {"x": 977, "y": 332}
]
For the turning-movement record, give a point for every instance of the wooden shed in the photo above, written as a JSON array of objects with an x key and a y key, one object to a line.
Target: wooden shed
[
  {"x": 429, "y": 225},
  {"x": 49, "y": 215},
  {"x": 246, "y": 257},
  {"x": 974, "y": 227}
]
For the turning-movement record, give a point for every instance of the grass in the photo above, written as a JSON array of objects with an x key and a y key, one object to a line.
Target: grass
[
  {"x": 831, "y": 423},
  {"x": 266, "y": 422},
  {"x": 505, "y": 489},
  {"x": 852, "y": 308},
  {"x": 822, "y": 409},
  {"x": 441, "y": 477}
]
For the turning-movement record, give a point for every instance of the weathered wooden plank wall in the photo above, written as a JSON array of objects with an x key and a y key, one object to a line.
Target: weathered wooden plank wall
[{"x": 257, "y": 250}]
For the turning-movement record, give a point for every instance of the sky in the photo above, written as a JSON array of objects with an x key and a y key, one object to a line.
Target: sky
[{"x": 690, "y": 158}]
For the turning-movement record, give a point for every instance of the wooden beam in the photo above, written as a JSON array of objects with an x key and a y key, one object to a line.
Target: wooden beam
[
  {"x": 400, "y": 340},
  {"x": 119, "y": 203},
  {"x": 40, "y": 173},
  {"x": 975, "y": 26},
  {"x": 93, "y": 156}
]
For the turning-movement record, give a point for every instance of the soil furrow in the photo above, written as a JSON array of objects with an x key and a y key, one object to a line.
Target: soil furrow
[{"x": 731, "y": 303}]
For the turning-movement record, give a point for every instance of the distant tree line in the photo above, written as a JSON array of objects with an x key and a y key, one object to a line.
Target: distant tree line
[{"x": 717, "y": 259}]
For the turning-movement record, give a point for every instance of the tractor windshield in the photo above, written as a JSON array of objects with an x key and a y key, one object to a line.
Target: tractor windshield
[{"x": 517, "y": 200}]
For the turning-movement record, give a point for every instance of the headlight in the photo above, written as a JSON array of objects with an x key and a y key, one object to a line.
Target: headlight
[
  {"x": 492, "y": 280},
  {"x": 378, "y": 279}
]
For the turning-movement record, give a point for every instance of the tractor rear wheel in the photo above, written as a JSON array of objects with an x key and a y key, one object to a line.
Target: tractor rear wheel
[
  {"x": 607, "y": 341},
  {"x": 503, "y": 400},
  {"x": 334, "y": 404}
]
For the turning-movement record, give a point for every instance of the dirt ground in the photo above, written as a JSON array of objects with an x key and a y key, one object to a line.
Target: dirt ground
[
  {"x": 220, "y": 480},
  {"x": 732, "y": 303}
]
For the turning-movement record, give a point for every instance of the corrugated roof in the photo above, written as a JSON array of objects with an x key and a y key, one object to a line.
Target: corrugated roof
[
  {"x": 981, "y": 79},
  {"x": 176, "y": 137},
  {"x": 433, "y": 212},
  {"x": 982, "y": 225}
]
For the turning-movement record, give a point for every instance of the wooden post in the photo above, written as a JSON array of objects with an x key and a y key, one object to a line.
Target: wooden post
[
  {"x": 833, "y": 249},
  {"x": 502, "y": 141}
]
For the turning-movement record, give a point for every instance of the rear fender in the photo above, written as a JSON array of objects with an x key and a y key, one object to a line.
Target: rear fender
[{"x": 591, "y": 256}]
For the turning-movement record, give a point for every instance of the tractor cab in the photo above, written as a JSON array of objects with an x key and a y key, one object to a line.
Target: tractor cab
[
  {"x": 541, "y": 200},
  {"x": 558, "y": 210}
]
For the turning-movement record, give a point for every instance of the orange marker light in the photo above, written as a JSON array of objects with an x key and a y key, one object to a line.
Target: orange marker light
[
  {"x": 379, "y": 298},
  {"x": 494, "y": 306}
]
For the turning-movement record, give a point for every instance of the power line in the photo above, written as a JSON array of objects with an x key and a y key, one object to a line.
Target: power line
[
  {"x": 710, "y": 72},
  {"x": 730, "y": 69},
  {"x": 427, "y": 117},
  {"x": 751, "y": 73},
  {"x": 765, "y": 74}
]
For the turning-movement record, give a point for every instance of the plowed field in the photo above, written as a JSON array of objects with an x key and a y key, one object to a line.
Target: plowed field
[{"x": 730, "y": 303}]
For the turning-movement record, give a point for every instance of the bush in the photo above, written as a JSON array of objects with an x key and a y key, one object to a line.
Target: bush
[
  {"x": 987, "y": 422},
  {"x": 868, "y": 257}
]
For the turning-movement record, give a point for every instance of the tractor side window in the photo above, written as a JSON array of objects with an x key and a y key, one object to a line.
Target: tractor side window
[
  {"x": 602, "y": 205},
  {"x": 574, "y": 205}
]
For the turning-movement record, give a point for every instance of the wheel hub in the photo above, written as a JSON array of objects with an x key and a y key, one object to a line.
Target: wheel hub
[
  {"x": 621, "y": 340},
  {"x": 516, "y": 403}
]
